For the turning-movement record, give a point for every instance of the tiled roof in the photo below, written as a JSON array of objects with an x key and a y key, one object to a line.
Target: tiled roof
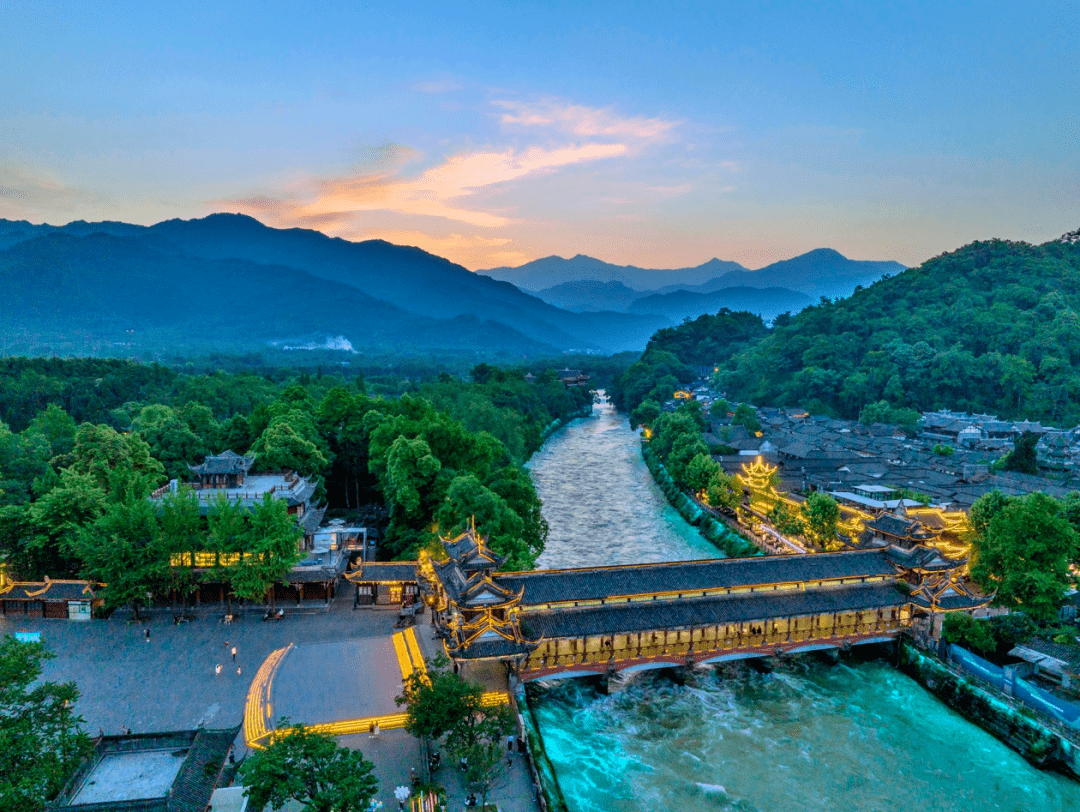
[
  {"x": 226, "y": 462},
  {"x": 199, "y": 774},
  {"x": 553, "y": 586},
  {"x": 386, "y": 573},
  {"x": 649, "y": 615},
  {"x": 52, "y": 590}
]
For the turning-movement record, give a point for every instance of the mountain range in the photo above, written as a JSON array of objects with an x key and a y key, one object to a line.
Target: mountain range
[
  {"x": 817, "y": 273},
  {"x": 228, "y": 282}
]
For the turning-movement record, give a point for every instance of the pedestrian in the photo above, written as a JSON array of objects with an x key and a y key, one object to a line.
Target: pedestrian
[
  {"x": 238, "y": 671},
  {"x": 217, "y": 670},
  {"x": 371, "y": 731},
  {"x": 234, "y": 654},
  {"x": 376, "y": 730},
  {"x": 413, "y": 776},
  {"x": 147, "y": 631},
  {"x": 510, "y": 743},
  {"x": 226, "y": 644},
  {"x": 510, "y": 759}
]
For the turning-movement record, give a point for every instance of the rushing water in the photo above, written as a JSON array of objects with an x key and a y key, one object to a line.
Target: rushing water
[
  {"x": 807, "y": 736},
  {"x": 600, "y": 501}
]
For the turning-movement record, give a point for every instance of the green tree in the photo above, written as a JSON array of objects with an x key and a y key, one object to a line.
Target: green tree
[
  {"x": 723, "y": 490},
  {"x": 290, "y": 443},
  {"x": 439, "y": 702},
  {"x": 645, "y": 414},
  {"x": 875, "y": 413},
  {"x": 684, "y": 450},
  {"x": 41, "y": 743},
  {"x": 746, "y": 416},
  {"x": 483, "y": 750},
  {"x": 984, "y": 509},
  {"x": 700, "y": 471},
  {"x": 443, "y": 704},
  {"x": 1025, "y": 554},
  {"x": 270, "y": 550},
  {"x": 787, "y": 521},
  {"x": 100, "y": 451},
  {"x": 964, "y": 630},
  {"x": 820, "y": 516},
  {"x": 310, "y": 768},
  {"x": 59, "y": 517},
  {"x": 124, "y": 550},
  {"x": 1023, "y": 456},
  {"x": 720, "y": 409},
  {"x": 57, "y": 427},
  {"x": 171, "y": 440},
  {"x": 183, "y": 535}
]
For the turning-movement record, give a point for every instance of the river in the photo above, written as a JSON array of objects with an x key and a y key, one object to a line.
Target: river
[
  {"x": 809, "y": 735},
  {"x": 601, "y": 504}
]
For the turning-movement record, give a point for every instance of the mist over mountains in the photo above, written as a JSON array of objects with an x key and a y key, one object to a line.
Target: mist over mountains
[{"x": 227, "y": 282}]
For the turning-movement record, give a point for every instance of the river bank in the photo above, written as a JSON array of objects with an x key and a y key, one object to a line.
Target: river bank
[{"x": 856, "y": 734}]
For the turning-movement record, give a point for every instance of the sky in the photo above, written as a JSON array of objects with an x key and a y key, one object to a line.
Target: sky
[{"x": 654, "y": 134}]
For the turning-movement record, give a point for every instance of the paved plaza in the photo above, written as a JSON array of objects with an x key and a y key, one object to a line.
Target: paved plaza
[
  {"x": 328, "y": 682},
  {"x": 341, "y": 665}
]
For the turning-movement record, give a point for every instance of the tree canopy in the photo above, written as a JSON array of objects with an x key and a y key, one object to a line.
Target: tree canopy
[
  {"x": 1024, "y": 548},
  {"x": 309, "y": 767},
  {"x": 41, "y": 743}
]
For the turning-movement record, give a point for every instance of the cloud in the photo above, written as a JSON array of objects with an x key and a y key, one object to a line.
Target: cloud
[
  {"x": 385, "y": 195},
  {"x": 588, "y": 122},
  {"x": 434, "y": 192},
  {"x": 438, "y": 86}
]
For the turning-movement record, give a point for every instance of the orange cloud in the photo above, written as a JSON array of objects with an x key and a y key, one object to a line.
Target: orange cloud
[{"x": 433, "y": 193}]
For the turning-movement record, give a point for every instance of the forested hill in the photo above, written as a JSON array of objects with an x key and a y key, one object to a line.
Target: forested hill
[{"x": 991, "y": 327}]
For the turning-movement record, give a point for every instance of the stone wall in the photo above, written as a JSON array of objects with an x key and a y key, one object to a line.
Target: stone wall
[{"x": 1040, "y": 744}]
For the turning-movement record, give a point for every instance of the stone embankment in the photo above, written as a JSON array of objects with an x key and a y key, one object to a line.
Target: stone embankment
[{"x": 1043, "y": 744}]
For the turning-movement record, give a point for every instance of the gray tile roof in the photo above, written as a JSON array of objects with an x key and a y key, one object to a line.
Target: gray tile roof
[
  {"x": 553, "y": 586},
  {"x": 646, "y": 616}
]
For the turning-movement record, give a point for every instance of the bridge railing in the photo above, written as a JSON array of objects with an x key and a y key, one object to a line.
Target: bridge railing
[{"x": 767, "y": 635}]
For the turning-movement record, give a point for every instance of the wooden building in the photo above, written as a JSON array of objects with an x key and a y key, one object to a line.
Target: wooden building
[
  {"x": 380, "y": 583},
  {"x": 69, "y": 600},
  {"x": 601, "y": 618},
  {"x": 224, "y": 470}
]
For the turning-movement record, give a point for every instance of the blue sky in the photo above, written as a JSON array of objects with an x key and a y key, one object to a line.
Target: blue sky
[{"x": 494, "y": 133}]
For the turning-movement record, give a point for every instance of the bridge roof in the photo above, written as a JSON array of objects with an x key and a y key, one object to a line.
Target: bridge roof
[
  {"x": 690, "y": 612},
  {"x": 554, "y": 586}
]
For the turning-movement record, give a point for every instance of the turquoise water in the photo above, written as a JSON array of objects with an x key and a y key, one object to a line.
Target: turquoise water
[{"x": 808, "y": 736}]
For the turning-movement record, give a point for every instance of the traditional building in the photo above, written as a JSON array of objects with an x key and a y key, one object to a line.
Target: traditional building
[
  {"x": 228, "y": 474},
  {"x": 473, "y": 610},
  {"x": 597, "y": 618},
  {"x": 150, "y": 772},
  {"x": 226, "y": 470},
  {"x": 51, "y": 598}
]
